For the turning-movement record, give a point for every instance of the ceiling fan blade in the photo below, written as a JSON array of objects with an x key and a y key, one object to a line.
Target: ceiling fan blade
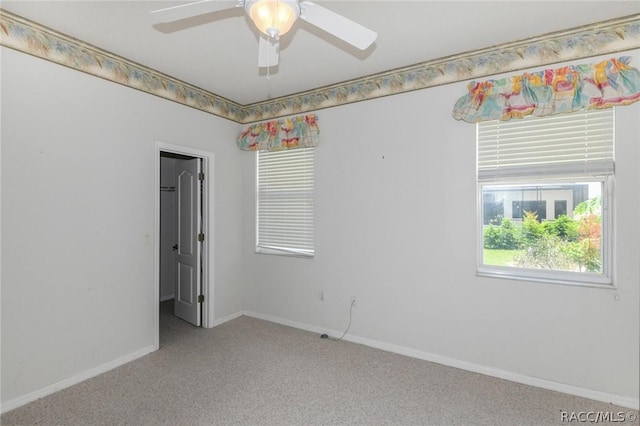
[
  {"x": 268, "y": 52},
  {"x": 189, "y": 10},
  {"x": 341, "y": 27}
]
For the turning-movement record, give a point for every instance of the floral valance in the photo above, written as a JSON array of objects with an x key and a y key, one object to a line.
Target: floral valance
[
  {"x": 572, "y": 88},
  {"x": 278, "y": 135}
]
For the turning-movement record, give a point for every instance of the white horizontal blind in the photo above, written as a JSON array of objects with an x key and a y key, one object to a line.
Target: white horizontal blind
[
  {"x": 285, "y": 218},
  {"x": 559, "y": 145}
]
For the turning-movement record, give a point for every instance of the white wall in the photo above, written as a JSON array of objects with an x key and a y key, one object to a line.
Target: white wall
[
  {"x": 396, "y": 227},
  {"x": 78, "y": 219}
]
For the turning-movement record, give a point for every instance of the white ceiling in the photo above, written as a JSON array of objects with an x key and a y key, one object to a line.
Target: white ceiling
[{"x": 219, "y": 52}]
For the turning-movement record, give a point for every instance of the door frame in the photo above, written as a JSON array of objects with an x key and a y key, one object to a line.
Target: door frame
[{"x": 208, "y": 286}]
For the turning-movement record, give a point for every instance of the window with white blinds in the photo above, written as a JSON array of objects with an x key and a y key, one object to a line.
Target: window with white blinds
[
  {"x": 285, "y": 213},
  {"x": 564, "y": 144},
  {"x": 545, "y": 198}
]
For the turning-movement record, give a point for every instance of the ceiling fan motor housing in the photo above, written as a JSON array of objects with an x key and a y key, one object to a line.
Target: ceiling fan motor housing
[{"x": 273, "y": 17}]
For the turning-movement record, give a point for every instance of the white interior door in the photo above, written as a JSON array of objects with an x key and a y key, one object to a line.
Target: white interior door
[
  {"x": 188, "y": 289},
  {"x": 168, "y": 229}
]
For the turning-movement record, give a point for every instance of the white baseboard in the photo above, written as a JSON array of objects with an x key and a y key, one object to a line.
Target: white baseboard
[
  {"x": 168, "y": 297},
  {"x": 295, "y": 324},
  {"x": 228, "y": 318},
  {"x": 488, "y": 371},
  {"x": 463, "y": 365},
  {"x": 48, "y": 390},
  {"x": 80, "y": 377}
]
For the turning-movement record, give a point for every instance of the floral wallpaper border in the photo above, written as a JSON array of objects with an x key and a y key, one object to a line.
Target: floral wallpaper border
[
  {"x": 34, "y": 39},
  {"x": 592, "y": 40}
]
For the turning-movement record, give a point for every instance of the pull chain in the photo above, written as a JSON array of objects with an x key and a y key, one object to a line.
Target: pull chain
[{"x": 269, "y": 39}]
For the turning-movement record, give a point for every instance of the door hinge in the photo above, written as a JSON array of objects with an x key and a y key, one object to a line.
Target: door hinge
[
  {"x": 201, "y": 298},
  {"x": 201, "y": 237},
  {"x": 201, "y": 176}
]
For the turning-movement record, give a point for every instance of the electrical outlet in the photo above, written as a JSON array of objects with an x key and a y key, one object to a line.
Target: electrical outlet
[
  {"x": 322, "y": 296},
  {"x": 354, "y": 301}
]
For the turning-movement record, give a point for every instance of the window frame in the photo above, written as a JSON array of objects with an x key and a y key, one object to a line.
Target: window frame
[
  {"x": 273, "y": 249},
  {"x": 603, "y": 279}
]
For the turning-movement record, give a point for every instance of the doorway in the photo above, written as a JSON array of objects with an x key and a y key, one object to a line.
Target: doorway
[
  {"x": 183, "y": 241},
  {"x": 181, "y": 235}
]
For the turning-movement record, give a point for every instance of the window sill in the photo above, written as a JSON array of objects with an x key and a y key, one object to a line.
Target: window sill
[
  {"x": 286, "y": 253},
  {"x": 556, "y": 277}
]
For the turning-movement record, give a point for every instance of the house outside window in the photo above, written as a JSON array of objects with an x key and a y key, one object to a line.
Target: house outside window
[{"x": 545, "y": 185}]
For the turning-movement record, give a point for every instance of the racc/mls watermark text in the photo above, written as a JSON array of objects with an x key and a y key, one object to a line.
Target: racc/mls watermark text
[{"x": 597, "y": 416}]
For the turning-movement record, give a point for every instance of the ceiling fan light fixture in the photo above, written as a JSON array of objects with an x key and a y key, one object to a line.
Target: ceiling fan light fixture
[{"x": 273, "y": 17}]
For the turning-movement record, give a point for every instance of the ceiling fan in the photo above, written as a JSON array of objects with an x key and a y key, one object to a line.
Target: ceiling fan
[{"x": 274, "y": 18}]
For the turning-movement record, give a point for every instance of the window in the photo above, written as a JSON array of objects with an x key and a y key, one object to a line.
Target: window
[
  {"x": 560, "y": 208},
  {"x": 285, "y": 218},
  {"x": 493, "y": 211},
  {"x": 522, "y": 207},
  {"x": 545, "y": 185}
]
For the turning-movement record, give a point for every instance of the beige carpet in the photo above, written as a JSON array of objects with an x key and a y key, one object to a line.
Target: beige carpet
[{"x": 252, "y": 372}]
